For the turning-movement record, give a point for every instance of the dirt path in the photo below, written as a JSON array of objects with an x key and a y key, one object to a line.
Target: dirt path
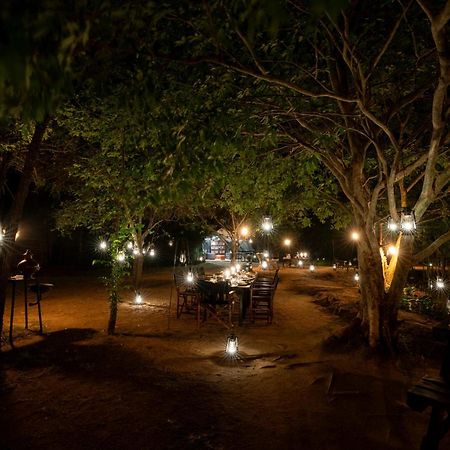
[{"x": 151, "y": 387}]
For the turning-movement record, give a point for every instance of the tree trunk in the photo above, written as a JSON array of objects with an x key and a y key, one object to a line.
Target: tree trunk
[
  {"x": 14, "y": 215},
  {"x": 234, "y": 247},
  {"x": 114, "y": 284},
  {"x": 138, "y": 265}
]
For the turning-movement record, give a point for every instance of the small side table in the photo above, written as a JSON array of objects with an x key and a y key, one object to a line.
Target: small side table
[{"x": 37, "y": 288}]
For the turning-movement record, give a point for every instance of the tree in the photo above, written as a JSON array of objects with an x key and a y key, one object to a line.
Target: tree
[{"x": 365, "y": 90}]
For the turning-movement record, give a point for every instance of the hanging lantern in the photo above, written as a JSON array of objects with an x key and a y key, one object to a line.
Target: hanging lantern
[
  {"x": 265, "y": 254},
  {"x": 440, "y": 283},
  {"x": 130, "y": 246},
  {"x": 121, "y": 257},
  {"x": 152, "y": 252},
  {"x": 392, "y": 250},
  {"x": 407, "y": 221},
  {"x": 103, "y": 245},
  {"x": 392, "y": 225},
  {"x": 232, "y": 345},
  {"x": 267, "y": 225}
]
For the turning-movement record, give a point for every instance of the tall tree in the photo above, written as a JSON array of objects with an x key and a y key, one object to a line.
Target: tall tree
[{"x": 365, "y": 90}]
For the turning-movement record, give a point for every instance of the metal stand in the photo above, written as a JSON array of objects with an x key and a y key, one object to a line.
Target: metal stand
[{"x": 17, "y": 279}]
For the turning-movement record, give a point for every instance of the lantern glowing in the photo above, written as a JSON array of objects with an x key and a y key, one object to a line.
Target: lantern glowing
[
  {"x": 267, "y": 224},
  {"x": 227, "y": 273},
  {"x": 287, "y": 242},
  {"x": 232, "y": 345},
  {"x": 392, "y": 250},
  {"x": 440, "y": 283},
  {"x": 233, "y": 270},
  {"x": 264, "y": 265},
  {"x": 334, "y": 266},
  {"x": 152, "y": 252},
  {"x": 130, "y": 246},
  {"x": 265, "y": 254},
  {"x": 190, "y": 277},
  {"x": 392, "y": 225},
  {"x": 121, "y": 257},
  {"x": 407, "y": 221},
  {"x": 103, "y": 245},
  {"x": 135, "y": 251},
  {"x": 245, "y": 231},
  {"x": 312, "y": 268},
  {"x": 138, "y": 298},
  {"x": 356, "y": 277},
  {"x": 300, "y": 263},
  {"x": 354, "y": 236},
  {"x": 238, "y": 267}
]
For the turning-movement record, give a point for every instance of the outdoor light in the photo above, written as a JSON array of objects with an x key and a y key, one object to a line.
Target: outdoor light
[
  {"x": 300, "y": 263},
  {"x": 354, "y": 235},
  {"x": 407, "y": 221},
  {"x": 130, "y": 246},
  {"x": 238, "y": 267},
  {"x": 287, "y": 242},
  {"x": 1, "y": 235},
  {"x": 430, "y": 264},
  {"x": 265, "y": 254},
  {"x": 135, "y": 251},
  {"x": 440, "y": 283},
  {"x": 264, "y": 265},
  {"x": 201, "y": 258},
  {"x": 267, "y": 224},
  {"x": 232, "y": 270},
  {"x": 245, "y": 231},
  {"x": 103, "y": 245},
  {"x": 170, "y": 243},
  {"x": 227, "y": 273},
  {"x": 356, "y": 277},
  {"x": 334, "y": 266},
  {"x": 152, "y": 252},
  {"x": 138, "y": 298},
  {"x": 232, "y": 345},
  {"x": 250, "y": 241},
  {"x": 190, "y": 277},
  {"x": 312, "y": 268},
  {"x": 121, "y": 257},
  {"x": 392, "y": 225},
  {"x": 350, "y": 263},
  {"x": 392, "y": 250}
]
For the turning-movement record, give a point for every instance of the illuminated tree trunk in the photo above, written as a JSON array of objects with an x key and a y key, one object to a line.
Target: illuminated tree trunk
[{"x": 114, "y": 298}]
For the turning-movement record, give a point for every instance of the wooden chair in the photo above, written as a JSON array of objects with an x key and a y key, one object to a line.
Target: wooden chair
[
  {"x": 261, "y": 299},
  {"x": 188, "y": 296},
  {"x": 216, "y": 302}
]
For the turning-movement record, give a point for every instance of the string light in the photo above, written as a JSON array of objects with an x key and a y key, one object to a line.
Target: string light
[
  {"x": 121, "y": 257},
  {"x": 130, "y": 246}
]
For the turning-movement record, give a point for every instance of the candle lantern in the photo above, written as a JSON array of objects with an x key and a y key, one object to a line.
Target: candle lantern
[
  {"x": 407, "y": 221},
  {"x": 232, "y": 345}
]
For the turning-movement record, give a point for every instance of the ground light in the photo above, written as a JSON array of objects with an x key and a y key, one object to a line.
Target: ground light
[
  {"x": 152, "y": 252},
  {"x": 312, "y": 268},
  {"x": 264, "y": 265},
  {"x": 300, "y": 264},
  {"x": 356, "y": 277},
  {"x": 334, "y": 267},
  {"x": 231, "y": 347},
  {"x": 138, "y": 298}
]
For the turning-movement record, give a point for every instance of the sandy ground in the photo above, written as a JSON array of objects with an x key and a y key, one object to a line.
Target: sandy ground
[{"x": 161, "y": 383}]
